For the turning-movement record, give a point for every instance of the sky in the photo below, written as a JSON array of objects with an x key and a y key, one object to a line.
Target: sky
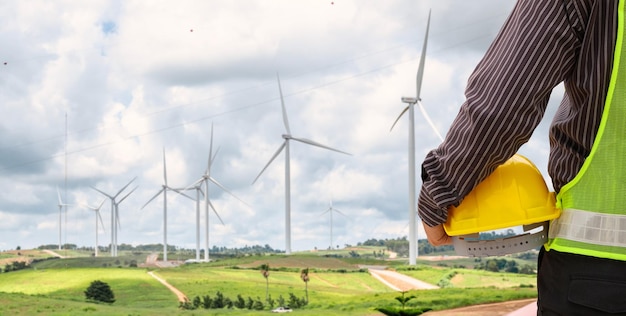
[{"x": 94, "y": 93}]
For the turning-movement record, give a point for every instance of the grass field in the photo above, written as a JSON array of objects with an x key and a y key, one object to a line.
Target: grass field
[
  {"x": 468, "y": 278},
  {"x": 336, "y": 286}
]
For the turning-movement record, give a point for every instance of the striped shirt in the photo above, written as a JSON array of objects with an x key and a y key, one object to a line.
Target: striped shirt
[{"x": 541, "y": 44}]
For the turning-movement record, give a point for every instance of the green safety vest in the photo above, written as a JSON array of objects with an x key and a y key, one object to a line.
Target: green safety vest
[{"x": 593, "y": 204}]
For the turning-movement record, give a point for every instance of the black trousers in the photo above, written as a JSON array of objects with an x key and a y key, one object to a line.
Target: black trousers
[{"x": 570, "y": 284}]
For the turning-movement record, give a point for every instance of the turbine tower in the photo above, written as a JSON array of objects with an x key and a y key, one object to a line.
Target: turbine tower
[
  {"x": 61, "y": 205},
  {"x": 330, "y": 210},
  {"x": 413, "y": 238},
  {"x": 287, "y": 137},
  {"x": 97, "y": 211},
  {"x": 115, "y": 213},
  {"x": 204, "y": 180}
]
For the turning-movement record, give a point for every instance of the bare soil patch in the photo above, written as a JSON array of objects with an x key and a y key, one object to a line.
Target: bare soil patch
[{"x": 493, "y": 309}]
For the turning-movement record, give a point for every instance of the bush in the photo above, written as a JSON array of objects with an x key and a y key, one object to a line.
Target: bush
[{"x": 99, "y": 291}]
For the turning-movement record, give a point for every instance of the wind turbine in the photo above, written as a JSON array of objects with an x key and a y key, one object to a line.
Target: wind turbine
[
  {"x": 164, "y": 188},
  {"x": 330, "y": 210},
  {"x": 61, "y": 205},
  {"x": 204, "y": 180},
  {"x": 97, "y": 210},
  {"x": 410, "y": 108},
  {"x": 287, "y": 137},
  {"x": 117, "y": 215},
  {"x": 114, "y": 213}
]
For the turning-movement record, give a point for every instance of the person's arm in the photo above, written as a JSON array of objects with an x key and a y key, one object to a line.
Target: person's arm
[{"x": 506, "y": 97}]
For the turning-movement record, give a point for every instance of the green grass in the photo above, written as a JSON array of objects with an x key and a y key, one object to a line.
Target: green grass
[
  {"x": 132, "y": 287},
  {"x": 468, "y": 278},
  {"x": 94, "y": 262},
  {"x": 481, "y": 278},
  {"x": 199, "y": 281},
  {"x": 59, "y": 291}
]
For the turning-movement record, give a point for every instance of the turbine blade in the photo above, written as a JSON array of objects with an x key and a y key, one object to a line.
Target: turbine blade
[
  {"x": 273, "y": 157},
  {"x": 282, "y": 103},
  {"x": 430, "y": 122},
  {"x": 310, "y": 142},
  {"x": 110, "y": 197},
  {"x": 131, "y": 191},
  {"x": 338, "y": 211},
  {"x": 210, "y": 152},
  {"x": 197, "y": 182},
  {"x": 214, "y": 211},
  {"x": 213, "y": 159},
  {"x": 420, "y": 70},
  {"x": 59, "y": 195},
  {"x": 101, "y": 222},
  {"x": 180, "y": 191},
  {"x": 164, "y": 168},
  {"x": 228, "y": 191},
  {"x": 154, "y": 197},
  {"x": 100, "y": 205},
  {"x": 199, "y": 188},
  {"x": 399, "y": 116},
  {"x": 124, "y": 188}
]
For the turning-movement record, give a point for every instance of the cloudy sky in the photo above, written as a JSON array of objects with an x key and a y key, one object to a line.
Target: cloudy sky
[{"x": 139, "y": 78}]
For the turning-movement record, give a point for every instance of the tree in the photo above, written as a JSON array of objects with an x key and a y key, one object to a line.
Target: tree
[
  {"x": 304, "y": 275},
  {"x": 404, "y": 299},
  {"x": 99, "y": 291},
  {"x": 265, "y": 270}
]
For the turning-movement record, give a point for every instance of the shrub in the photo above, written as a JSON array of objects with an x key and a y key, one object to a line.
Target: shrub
[
  {"x": 99, "y": 291},
  {"x": 240, "y": 302},
  {"x": 258, "y": 305}
]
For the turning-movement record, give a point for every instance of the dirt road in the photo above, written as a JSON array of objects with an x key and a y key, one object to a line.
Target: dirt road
[
  {"x": 510, "y": 308},
  {"x": 180, "y": 295},
  {"x": 399, "y": 282},
  {"x": 52, "y": 253}
]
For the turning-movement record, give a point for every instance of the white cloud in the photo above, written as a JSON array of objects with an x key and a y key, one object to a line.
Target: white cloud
[{"x": 135, "y": 78}]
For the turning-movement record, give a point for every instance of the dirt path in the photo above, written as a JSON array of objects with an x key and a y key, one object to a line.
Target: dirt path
[
  {"x": 510, "y": 308},
  {"x": 52, "y": 253},
  {"x": 180, "y": 295},
  {"x": 400, "y": 282}
]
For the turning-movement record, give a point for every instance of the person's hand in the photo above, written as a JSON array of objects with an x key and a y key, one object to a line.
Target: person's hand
[{"x": 437, "y": 236}]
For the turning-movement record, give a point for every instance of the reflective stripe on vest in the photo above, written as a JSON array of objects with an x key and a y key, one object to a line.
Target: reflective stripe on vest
[
  {"x": 591, "y": 227},
  {"x": 594, "y": 202}
]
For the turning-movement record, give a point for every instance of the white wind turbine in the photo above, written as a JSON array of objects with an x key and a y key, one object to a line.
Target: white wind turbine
[
  {"x": 410, "y": 107},
  {"x": 61, "y": 205},
  {"x": 97, "y": 211},
  {"x": 164, "y": 188},
  {"x": 287, "y": 137},
  {"x": 330, "y": 210},
  {"x": 115, "y": 212},
  {"x": 117, "y": 216},
  {"x": 204, "y": 180}
]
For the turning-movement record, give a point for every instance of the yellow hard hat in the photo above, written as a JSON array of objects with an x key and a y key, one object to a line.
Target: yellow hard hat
[{"x": 514, "y": 194}]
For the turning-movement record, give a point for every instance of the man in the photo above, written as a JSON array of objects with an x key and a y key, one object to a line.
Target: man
[{"x": 542, "y": 44}]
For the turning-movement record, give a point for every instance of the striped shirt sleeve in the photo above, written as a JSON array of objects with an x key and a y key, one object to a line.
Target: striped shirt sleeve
[{"x": 506, "y": 97}]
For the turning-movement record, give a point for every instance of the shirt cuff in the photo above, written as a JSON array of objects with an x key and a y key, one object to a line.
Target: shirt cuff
[{"x": 429, "y": 212}]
